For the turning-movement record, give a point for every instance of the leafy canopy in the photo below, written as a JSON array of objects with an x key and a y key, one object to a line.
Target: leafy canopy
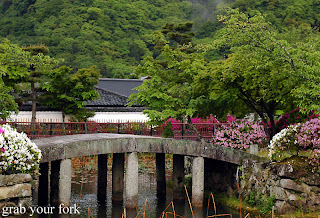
[
  {"x": 68, "y": 92},
  {"x": 264, "y": 71},
  {"x": 14, "y": 63},
  {"x": 168, "y": 92}
]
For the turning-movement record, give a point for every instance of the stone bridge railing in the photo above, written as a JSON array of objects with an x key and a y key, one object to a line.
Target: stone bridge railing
[{"x": 60, "y": 150}]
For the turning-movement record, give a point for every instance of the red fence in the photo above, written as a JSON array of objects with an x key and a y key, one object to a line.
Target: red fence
[{"x": 49, "y": 129}]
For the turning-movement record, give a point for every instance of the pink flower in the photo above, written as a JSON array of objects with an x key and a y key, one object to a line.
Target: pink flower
[
  {"x": 239, "y": 134},
  {"x": 231, "y": 118},
  {"x": 1, "y": 130}
]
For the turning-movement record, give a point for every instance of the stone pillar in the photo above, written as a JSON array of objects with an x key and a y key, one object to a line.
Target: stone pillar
[
  {"x": 60, "y": 182},
  {"x": 178, "y": 177},
  {"x": 197, "y": 181},
  {"x": 117, "y": 177},
  {"x": 254, "y": 149},
  {"x": 161, "y": 174},
  {"x": 132, "y": 180},
  {"x": 102, "y": 178},
  {"x": 43, "y": 190},
  {"x": 35, "y": 191},
  {"x": 65, "y": 182},
  {"x": 198, "y": 212}
]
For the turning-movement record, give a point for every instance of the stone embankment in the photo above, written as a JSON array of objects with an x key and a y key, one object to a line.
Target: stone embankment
[
  {"x": 293, "y": 187},
  {"x": 15, "y": 190}
]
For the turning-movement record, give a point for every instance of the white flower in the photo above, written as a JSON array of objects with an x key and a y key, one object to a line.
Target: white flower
[
  {"x": 282, "y": 138},
  {"x": 20, "y": 153}
]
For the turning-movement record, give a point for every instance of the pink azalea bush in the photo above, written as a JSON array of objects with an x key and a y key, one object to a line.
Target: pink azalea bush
[
  {"x": 293, "y": 117},
  {"x": 239, "y": 133},
  {"x": 296, "y": 138}
]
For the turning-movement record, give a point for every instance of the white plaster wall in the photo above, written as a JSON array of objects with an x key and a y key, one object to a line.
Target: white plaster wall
[
  {"x": 56, "y": 116},
  {"x": 121, "y": 117},
  {"x": 42, "y": 116}
]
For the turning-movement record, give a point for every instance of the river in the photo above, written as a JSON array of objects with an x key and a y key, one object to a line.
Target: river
[
  {"x": 84, "y": 183},
  {"x": 84, "y": 194}
]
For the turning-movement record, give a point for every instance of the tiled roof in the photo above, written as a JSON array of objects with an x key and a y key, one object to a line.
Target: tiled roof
[
  {"x": 108, "y": 98},
  {"x": 113, "y": 93},
  {"x": 124, "y": 87}
]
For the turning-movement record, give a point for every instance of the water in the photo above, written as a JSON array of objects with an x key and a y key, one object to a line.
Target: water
[
  {"x": 84, "y": 194},
  {"x": 84, "y": 183}
]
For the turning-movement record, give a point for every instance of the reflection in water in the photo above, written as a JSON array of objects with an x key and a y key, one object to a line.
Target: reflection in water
[
  {"x": 84, "y": 183},
  {"x": 117, "y": 209}
]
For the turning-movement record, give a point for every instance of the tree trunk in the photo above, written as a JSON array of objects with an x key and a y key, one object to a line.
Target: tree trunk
[
  {"x": 272, "y": 129},
  {"x": 63, "y": 115},
  {"x": 34, "y": 102},
  {"x": 270, "y": 112}
]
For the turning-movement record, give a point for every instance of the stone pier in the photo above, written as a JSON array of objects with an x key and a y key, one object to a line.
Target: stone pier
[
  {"x": 102, "y": 178},
  {"x": 161, "y": 175},
  {"x": 178, "y": 177},
  {"x": 197, "y": 181},
  {"x": 60, "y": 182},
  {"x": 132, "y": 180},
  {"x": 117, "y": 176}
]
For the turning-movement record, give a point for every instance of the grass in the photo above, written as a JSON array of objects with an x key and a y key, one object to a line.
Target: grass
[{"x": 234, "y": 203}]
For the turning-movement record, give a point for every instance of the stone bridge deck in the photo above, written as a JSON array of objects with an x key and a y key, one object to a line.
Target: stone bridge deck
[{"x": 65, "y": 147}]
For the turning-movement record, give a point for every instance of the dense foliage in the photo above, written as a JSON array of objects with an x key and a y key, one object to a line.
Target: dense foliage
[
  {"x": 113, "y": 35},
  {"x": 18, "y": 65},
  {"x": 263, "y": 71},
  {"x": 266, "y": 66},
  {"x": 68, "y": 92},
  {"x": 284, "y": 13}
]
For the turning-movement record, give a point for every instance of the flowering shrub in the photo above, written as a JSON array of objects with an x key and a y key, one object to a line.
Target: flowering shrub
[
  {"x": 285, "y": 140},
  {"x": 173, "y": 124},
  {"x": 93, "y": 127},
  {"x": 239, "y": 134},
  {"x": 197, "y": 121},
  {"x": 18, "y": 154},
  {"x": 296, "y": 138},
  {"x": 293, "y": 117},
  {"x": 231, "y": 118}
]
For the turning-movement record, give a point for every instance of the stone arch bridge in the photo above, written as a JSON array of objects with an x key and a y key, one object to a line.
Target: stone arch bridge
[{"x": 59, "y": 151}]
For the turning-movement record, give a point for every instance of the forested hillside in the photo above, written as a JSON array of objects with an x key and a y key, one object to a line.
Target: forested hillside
[{"x": 115, "y": 35}]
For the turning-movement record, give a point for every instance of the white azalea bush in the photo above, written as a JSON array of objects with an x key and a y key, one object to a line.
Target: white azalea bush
[
  {"x": 285, "y": 140},
  {"x": 18, "y": 154}
]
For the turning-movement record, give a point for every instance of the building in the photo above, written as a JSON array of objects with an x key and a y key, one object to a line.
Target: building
[{"x": 111, "y": 107}]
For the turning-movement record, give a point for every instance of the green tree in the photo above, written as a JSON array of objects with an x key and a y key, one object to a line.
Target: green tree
[
  {"x": 68, "y": 92},
  {"x": 13, "y": 67},
  {"x": 168, "y": 92},
  {"x": 40, "y": 64},
  {"x": 264, "y": 71}
]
